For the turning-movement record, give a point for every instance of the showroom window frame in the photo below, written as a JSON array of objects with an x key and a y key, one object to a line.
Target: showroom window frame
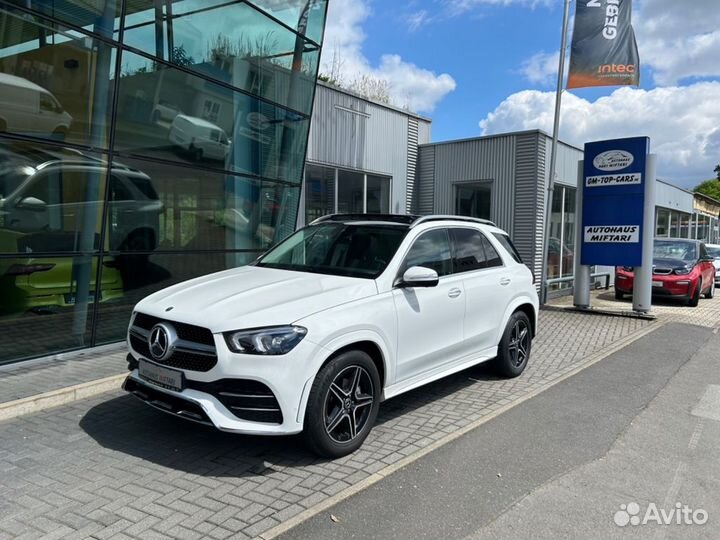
[{"x": 336, "y": 185}]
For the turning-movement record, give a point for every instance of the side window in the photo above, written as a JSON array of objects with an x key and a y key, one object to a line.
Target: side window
[
  {"x": 493, "y": 257},
  {"x": 431, "y": 250},
  {"x": 505, "y": 241},
  {"x": 469, "y": 252}
]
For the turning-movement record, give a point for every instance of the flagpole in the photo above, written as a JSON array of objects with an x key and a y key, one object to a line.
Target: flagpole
[{"x": 553, "y": 155}]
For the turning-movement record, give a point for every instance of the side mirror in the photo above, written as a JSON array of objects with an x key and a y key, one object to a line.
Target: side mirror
[
  {"x": 419, "y": 276},
  {"x": 32, "y": 203}
]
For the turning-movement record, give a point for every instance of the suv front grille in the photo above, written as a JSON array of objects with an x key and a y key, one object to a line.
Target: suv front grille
[{"x": 194, "y": 351}]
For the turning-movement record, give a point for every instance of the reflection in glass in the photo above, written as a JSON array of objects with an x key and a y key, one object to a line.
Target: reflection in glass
[
  {"x": 146, "y": 275},
  {"x": 95, "y": 16},
  {"x": 305, "y": 16},
  {"x": 561, "y": 247},
  {"x": 46, "y": 302},
  {"x": 235, "y": 44},
  {"x": 319, "y": 192},
  {"x": 50, "y": 199},
  {"x": 166, "y": 113},
  {"x": 663, "y": 223},
  {"x": 378, "y": 194},
  {"x": 350, "y": 193},
  {"x": 53, "y": 84},
  {"x": 155, "y": 206},
  {"x": 473, "y": 200}
]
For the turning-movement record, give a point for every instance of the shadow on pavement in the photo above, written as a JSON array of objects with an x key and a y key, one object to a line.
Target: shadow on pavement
[{"x": 125, "y": 424}]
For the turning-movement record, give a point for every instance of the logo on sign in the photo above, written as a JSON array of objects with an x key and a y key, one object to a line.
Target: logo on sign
[{"x": 613, "y": 160}]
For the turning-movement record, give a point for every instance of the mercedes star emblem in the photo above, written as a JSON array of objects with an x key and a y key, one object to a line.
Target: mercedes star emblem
[{"x": 161, "y": 341}]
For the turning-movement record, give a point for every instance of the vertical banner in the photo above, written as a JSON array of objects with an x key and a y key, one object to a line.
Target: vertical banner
[{"x": 603, "y": 50}]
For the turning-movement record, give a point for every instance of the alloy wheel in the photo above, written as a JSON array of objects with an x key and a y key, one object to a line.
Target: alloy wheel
[
  {"x": 348, "y": 404},
  {"x": 519, "y": 341}
]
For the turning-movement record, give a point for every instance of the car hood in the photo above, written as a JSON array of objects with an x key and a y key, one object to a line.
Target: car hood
[
  {"x": 661, "y": 262},
  {"x": 251, "y": 297}
]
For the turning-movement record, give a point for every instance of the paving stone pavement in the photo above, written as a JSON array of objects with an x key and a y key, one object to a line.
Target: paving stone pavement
[{"x": 111, "y": 467}]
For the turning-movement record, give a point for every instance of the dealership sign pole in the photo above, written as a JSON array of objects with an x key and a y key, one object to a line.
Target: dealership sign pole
[{"x": 617, "y": 213}]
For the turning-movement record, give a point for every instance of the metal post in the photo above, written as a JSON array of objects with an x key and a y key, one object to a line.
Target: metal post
[
  {"x": 642, "y": 285},
  {"x": 553, "y": 151},
  {"x": 581, "y": 285}
]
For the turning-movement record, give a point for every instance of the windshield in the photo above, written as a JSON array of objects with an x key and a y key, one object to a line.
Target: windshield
[
  {"x": 714, "y": 251},
  {"x": 675, "y": 249},
  {"x": 339, "y": 249}
]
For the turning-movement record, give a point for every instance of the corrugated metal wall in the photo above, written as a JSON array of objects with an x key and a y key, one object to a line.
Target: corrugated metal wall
[
  {"x": 425, "y": 182},
  {"x": 351, "y": 132},
  {"x": 530, "y": 199},
  {"x": 412, "y": 152},
  {"x": 475, "y": 160}
]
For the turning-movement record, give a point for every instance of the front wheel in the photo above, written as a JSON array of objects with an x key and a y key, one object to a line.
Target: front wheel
[
  {"x": 619, "y": 295},
  {"x": 711, "y": 291},
  {"x": 515, "y": 345},
  {"x": 343, "y": 405}
]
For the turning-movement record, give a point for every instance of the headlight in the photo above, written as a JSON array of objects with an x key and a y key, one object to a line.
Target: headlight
[
  {"x": 628, "y": 268},
  {"x": 682, "y": 271},
  {"x": 272, "y": 340}
]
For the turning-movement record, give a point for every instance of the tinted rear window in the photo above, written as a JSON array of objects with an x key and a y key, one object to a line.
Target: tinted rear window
[{"x": 505, "y": 241}]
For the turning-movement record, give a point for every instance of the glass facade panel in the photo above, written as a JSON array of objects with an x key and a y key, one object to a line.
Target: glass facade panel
[
  {"x": 378, "y": 195},
  {"x": 233, "y": 43},
  {"x": 154, "y": 206},
  {"x": 51, "y": 200},
  {"x": 350, "y": 198},
  {"x": 662, "y": 227},
  {"x": 53, "y": 84},
  {"x": 99, "y": 16},
  {"x": 46, "y": 303},
  {"x": 561, "y": 249},
  {"x": 473, "y": 200},
  {"x": 169, "y": 114},
  {"x": 142, "y": 144}
]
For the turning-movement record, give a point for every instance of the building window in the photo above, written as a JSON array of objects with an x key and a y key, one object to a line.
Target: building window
[
  {"x": 330, "y": 191},
  {"x": 561, "y": 248},
  {"x": 662, "y": 223},
  {"x": 473, "y": 200}
]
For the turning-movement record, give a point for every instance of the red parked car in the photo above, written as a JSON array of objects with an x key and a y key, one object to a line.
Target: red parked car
[{"x": 681, "y": 269}]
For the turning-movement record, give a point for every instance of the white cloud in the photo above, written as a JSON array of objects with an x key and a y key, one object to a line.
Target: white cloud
[
  {"x": 458, "y": 7},
  {"x": 679, "y": 40},
  {"x": 414, "y": 87},
  {"x": 541, "y": 68},
  {"x": 415, "y": 21},
  {"x": 682, "y": 122}
]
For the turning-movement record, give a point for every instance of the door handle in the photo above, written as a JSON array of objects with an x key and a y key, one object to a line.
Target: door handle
[
  {"x": 505, "y": 281},
  {"x": 454, "y": 293}
]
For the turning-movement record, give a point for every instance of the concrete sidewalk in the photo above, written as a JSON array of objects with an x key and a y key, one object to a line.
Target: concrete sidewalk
[{"x": 561, "y": 464}]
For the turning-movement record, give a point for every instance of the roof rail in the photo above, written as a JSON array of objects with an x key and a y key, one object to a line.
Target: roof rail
[
  {"x": 405, "y": 219},
  {"x": 426, "y": 219}
]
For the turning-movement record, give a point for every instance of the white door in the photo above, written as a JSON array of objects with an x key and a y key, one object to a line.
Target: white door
[
  {"x": 487, "y": 287},
  {"x": 430, "y": 319}
]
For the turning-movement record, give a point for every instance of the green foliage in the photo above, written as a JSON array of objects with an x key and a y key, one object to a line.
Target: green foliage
[{"x": 711, "y": 188}]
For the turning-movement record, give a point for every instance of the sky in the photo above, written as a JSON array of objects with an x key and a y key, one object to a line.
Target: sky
[{"x": 481, "y": 67}]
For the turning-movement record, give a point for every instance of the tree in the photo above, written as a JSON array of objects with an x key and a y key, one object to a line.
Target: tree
[
  {"x": 717, "y": 171},
  {"x": 711, "y": 188}
]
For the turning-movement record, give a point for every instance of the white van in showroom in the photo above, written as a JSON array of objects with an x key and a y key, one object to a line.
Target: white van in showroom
[
  {"x": 198, "y": 137},
  {"x": 345, "y": 313}
]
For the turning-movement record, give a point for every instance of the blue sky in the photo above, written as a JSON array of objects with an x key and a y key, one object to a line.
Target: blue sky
[{"x": 487, "y": 66}]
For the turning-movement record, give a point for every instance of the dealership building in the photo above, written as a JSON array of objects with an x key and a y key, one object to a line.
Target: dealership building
[{"x": 149, "y": 144}]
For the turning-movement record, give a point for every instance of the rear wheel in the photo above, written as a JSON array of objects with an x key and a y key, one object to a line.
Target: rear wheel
[
  {"x": 695, "y": 298},
  {"x": 343, "y": 405},
  {"x": 711, "y": 291},
  {"x": 515, "y": 345}
]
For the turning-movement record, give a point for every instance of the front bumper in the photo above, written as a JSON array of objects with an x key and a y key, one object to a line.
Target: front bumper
[
  {"x": 672, "y": 286},
  {"x": 251, "y": 394}
]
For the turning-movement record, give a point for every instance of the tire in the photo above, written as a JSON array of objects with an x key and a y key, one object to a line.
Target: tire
[
  {"x": 3, "y": 125},
  {"x": 196, "y": 153},
  {"x": 695, "y": 298},
  {"x": 335, "y": 399},
  {"x": 515, "y": 345},
  {"x": 59, "y": 134},
  {"x": 619, "y": 295},
  {"x": 710, "y": 294}
]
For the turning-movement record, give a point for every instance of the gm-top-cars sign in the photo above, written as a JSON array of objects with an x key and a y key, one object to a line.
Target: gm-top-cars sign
[{"x": 613, "y": 202}]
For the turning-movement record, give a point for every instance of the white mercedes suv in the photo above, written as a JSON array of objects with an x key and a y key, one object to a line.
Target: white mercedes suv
[{"x": 345, "y": 313}]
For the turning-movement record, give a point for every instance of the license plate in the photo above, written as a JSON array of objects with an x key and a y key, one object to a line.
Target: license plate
[
  {"x": 657, "y": 284},
  {"x": 160, "y": 376}
]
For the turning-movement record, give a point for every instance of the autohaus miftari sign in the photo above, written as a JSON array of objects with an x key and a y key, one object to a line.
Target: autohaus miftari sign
[{"x": 614, "y": 201}]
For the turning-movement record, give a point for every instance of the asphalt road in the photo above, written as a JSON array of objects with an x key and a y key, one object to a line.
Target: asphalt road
[{"x": 472, "y": 487}]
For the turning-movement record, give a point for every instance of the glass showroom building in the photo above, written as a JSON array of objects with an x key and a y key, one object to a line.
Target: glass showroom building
[{"x": 142, "y": 143}]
